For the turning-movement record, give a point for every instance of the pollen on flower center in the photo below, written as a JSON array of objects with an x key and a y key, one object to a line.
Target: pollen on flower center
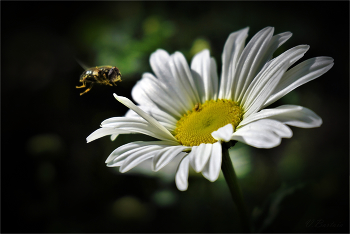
[{"x": 196, "y": 126}]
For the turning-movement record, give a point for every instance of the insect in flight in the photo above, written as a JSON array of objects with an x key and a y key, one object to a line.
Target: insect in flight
[{"x": 105, "y": 75}]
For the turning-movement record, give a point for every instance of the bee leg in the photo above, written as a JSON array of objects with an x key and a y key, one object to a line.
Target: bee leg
[
  {"x": 114, "y": 83},
  {"x": 83, "y": 86},
  {"x": 110, "y": 84},
  {"x": 87, "y": 90}
]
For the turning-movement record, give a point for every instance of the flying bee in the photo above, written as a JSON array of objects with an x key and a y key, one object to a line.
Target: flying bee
[{"x": 105, "y": 75}]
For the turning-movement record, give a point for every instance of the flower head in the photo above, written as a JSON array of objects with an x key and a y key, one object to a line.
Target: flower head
[{"x": 191, "y": 113}]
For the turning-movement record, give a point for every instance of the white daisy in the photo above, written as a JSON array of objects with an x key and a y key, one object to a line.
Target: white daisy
[{"x": 191, "y": 114}]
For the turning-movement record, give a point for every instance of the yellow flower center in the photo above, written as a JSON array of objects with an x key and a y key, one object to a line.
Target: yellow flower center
[{"x": 196, "y": 126}]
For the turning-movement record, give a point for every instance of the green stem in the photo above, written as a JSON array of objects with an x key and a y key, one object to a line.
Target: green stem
[{"x": 232, "y": 182}]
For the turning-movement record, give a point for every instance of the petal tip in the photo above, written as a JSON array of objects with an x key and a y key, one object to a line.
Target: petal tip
[
  {"x": 319, "y": 123},
  {"x": 182, "y": 189},
  {"x": 224, "y": 133}
]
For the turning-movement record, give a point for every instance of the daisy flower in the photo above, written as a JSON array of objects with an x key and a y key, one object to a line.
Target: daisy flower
[{"x": 192, "y": 113}]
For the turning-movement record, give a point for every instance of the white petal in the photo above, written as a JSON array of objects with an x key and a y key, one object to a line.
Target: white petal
[
  {"x": 114, "y": 136},
  {"x": 162, "y": 117},
  {"x": 101, "y": 132},
  {"x": 181, "y": 177},
  {"x": 289, "y": 114},
  {"x": 134, "y": 125},
  {"x": 214, "y": 78},
  {"x": 150, "y": 91},
  {"x": 289, "y": 57},
  {"x": 212, "y": 169},
  {"x": 259, "y": 138},
  {"x": 230, "y": 56},
  {"x": 145, "y": 116},
  {"x": 206, "y": 68},
  {"x": 199, "y": 84},
  {"x": 199, "y": 158},
  {"x": 223, "y": 133},
  {"x": 267, "y": 113},
  {"x": 129, "y": 156},
  {"x": 165, "y": 66},
  {"x": 201, "y": 65},
  {"x": 279, "y": 128},
  {"x": 270, "y": 125},
  {"x": 299, "y": 75},
  {"x": 155, "y": 113},
  {"x": 249, "y": 62},
  {"x": 303, "y": 118},
  {"x": 117, "y": 160},
  {"x": 258, "y": 94},
  {"x": 115, "y": 122},
  {"x": 292, "y": 55},
  {"x": 275, "y": 42},
  {"x": 159, "y": 63},
  {"x": 166, "y": 155},
  {"x": 182, "y": 74},
  {"x": 139, "y": 156},
  {"x": 140, "y": 91},
  {"x": 129, "y": 147},
  {"x": 124, "y": 148}
]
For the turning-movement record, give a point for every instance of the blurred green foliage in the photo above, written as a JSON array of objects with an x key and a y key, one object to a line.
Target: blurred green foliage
[
  {"x": 54, "y": 182},
  {"x": 127, "y": 43}
]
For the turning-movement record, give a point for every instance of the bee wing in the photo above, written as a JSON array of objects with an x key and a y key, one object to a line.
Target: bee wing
[{"x": 82, "y": 64}]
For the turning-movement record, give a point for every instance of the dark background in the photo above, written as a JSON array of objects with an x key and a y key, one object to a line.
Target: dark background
[{"x": 52, "y": 181}]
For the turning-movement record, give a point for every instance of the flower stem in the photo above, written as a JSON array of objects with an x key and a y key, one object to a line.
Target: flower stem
[{"x": 232, "y": 182}]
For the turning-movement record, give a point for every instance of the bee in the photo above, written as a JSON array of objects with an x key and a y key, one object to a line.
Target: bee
[{"x": 105, "y": 75}]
